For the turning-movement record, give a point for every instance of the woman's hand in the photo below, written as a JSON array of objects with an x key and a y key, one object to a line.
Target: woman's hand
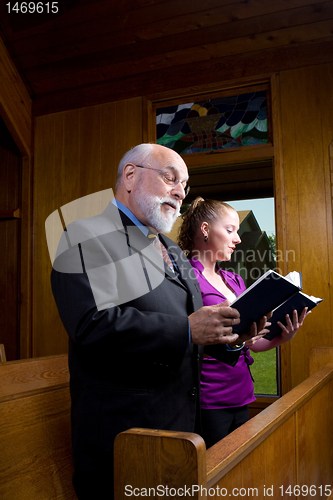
[
  {"x": 259, "y": 330},
  {"x": 289, "y": 330}
]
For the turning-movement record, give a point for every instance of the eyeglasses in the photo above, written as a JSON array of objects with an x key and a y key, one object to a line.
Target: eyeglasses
[{"x": 168, "y": 179}]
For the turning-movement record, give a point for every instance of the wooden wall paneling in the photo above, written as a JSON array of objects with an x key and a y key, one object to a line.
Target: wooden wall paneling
[
  {"x": 77, "y": 154},
  {"x": 329, "y": 198},
  {"x": 111, "y": 145},
  {"x": 26, "y": 259},
  {"x": 290, "y": 191},
  {"x": 331, "y": 168},
  {"x": 132, "y": 118},
  {"x": 58, "y": 181},
  {"x": 278, "y": 172},
  {"x": 10, "y": 319},
  {"x": 291, "y": 255},
  {"x": 319, "y": 357},
  {"x": 312, "y": 166},
  {"x": 47, "y": 329},
  {"x": 149, "y": 121},
  {"x": 64, "y": 170},
  {"x": 67, "y": 159},
  {"x": 290, "y": 211},
  {"x": 280, "y": 215},
  {"x": 67, "y": 168},
  {"x": 10, "y": 233},
  {"x": 311, "y": 179},
  {"x": 89, "y": 143},
  {"x": 69, "y": 181},
  {"x": 121, "y": 129},
  {"x": 326, "y": 101},
  {"x": 304, "y": 187},
  {"x": 15, "y": 109},
  {"x": 15, "y": 103}
]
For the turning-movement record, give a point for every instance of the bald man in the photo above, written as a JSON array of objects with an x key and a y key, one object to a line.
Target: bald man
[{"x": 132, "y": 308}]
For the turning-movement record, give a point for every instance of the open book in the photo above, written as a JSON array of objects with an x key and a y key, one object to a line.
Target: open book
[
  {"x": 298, "y": 302},
  {"x": 271, "y": 292}
]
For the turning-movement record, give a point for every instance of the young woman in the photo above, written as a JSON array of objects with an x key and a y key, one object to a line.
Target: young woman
[{"x": 209, "y": 233}]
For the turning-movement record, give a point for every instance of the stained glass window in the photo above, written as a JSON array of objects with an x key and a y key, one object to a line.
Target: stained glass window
[{"x": 214, "y": 124}]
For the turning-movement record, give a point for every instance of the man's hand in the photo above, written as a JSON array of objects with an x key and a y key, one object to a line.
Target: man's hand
[
  {"x": 213, "y": 325},
  {"x": 257, "y": 331}
]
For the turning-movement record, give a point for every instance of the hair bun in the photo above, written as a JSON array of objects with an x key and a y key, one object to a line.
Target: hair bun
[
  {"x": 195, "y": 203},
  {"x": 200, "y": 210}
]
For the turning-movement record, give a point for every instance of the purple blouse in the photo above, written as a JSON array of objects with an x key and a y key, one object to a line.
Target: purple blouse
[{"x": 223, "y": 386}]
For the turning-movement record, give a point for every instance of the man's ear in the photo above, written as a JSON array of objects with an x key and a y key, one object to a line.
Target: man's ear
[{"x": 129, "y": 176}]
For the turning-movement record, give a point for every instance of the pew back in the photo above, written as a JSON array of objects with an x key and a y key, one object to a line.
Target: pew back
[
  {"x": 35, "y": 458},
  {"x": 171, "y": 462},
  {"x": 288, "y": 444},
  {"x": 286, "y": 447}
]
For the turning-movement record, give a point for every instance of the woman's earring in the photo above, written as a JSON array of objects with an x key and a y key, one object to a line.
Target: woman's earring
[{"x": 206, "y": 238}]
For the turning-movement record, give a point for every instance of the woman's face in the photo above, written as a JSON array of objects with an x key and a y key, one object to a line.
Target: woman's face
[{"x": 223, "y": 235}]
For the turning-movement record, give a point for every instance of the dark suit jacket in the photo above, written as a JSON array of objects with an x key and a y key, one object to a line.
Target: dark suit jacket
[{"x": 130, "y": 359}]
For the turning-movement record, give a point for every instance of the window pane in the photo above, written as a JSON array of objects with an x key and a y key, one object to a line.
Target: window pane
[
  {"x": 253, "y": 257},
  {"x": 214, "y": 124},
  {"x": 264, "y": 372},
  {"x": 256, "y": 252}
]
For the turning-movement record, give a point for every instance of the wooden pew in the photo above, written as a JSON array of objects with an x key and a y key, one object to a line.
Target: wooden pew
[
  {"x": 285, "y": 448},
  {"x": 35, "y": 455},
  {"x": 288, "y": 444}
]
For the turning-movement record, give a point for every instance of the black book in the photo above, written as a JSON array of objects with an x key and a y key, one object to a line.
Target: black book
[
  {"x": 298, "y": 302},
  {"x": 263, "y": 296}
]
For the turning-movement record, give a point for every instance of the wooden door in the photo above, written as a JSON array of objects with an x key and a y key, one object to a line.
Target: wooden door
[{"x": 10, "y": 229}]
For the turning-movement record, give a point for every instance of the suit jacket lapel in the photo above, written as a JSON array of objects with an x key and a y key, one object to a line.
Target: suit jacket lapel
[
  {"x": 137, "y": 241},
  {"x": 187, "y": 276}
]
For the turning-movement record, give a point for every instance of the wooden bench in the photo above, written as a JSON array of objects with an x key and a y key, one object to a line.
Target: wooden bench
[
  {"x": 288, "y": 444},
  {"x": 35, "y": 456},
  {"x": 284, "y": 448}
]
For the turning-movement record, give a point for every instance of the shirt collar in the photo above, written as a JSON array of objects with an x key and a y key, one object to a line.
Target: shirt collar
[
  {"x": 131, "y": 216},
  {"x": 197, "y": 264}
]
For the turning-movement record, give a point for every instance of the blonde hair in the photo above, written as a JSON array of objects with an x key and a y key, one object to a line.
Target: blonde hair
[{"x": 199, "y": 211}]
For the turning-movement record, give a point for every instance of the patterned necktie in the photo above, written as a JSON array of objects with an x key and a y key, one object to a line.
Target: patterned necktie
[{"x": 162, "y": 250}]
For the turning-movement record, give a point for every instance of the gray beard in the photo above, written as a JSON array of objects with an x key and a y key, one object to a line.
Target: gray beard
[{"x": 151, "y": 206}]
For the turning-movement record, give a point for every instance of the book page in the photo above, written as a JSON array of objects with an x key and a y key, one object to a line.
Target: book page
[{"x": 295, "y": 277}]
